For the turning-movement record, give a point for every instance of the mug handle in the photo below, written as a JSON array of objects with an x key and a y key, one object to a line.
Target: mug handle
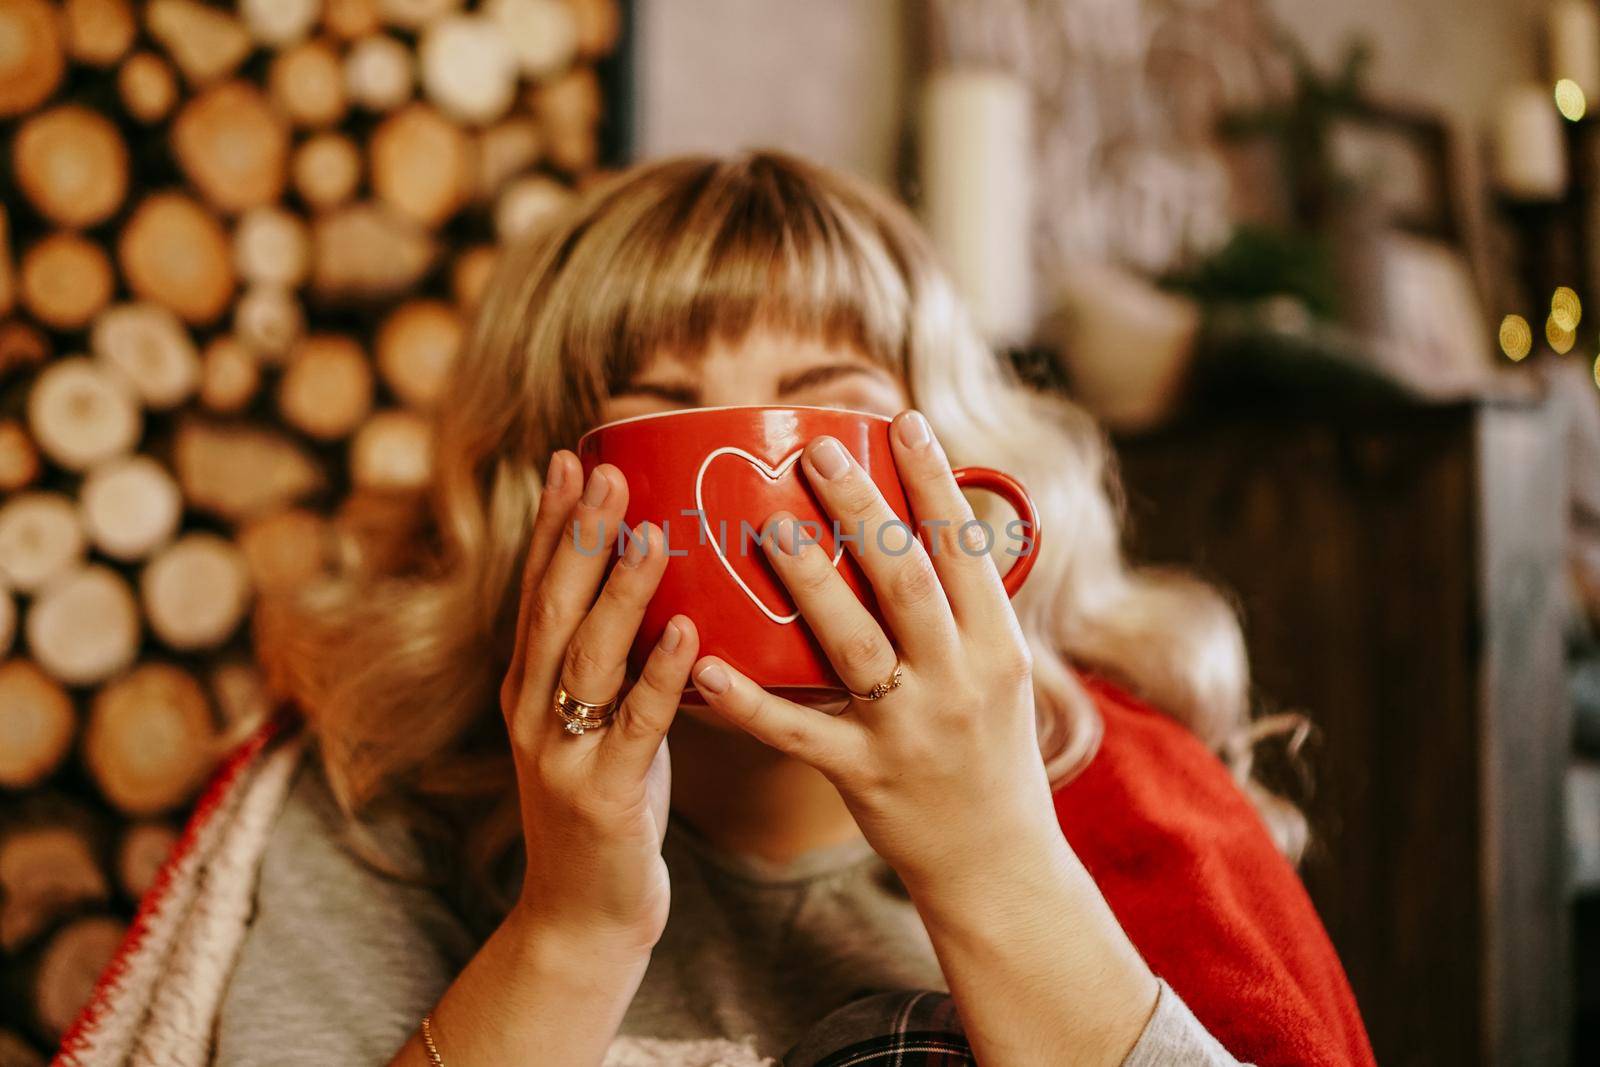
[{"x": 1012, "y": 492}]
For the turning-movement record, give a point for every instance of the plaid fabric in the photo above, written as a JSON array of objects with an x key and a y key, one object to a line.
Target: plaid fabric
[{"x": 917, "y": 1028}]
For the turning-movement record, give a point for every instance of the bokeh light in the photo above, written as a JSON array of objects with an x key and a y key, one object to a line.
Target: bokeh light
[
  {"x": 1516, "y": 336},
  {"x": 1570, "y": 99},
  {"x": 1566, "y": 309},
  {"x": 1560, "y": 338}
]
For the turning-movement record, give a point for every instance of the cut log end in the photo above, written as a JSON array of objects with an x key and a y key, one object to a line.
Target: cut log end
[{"x": 147, "y": 744}]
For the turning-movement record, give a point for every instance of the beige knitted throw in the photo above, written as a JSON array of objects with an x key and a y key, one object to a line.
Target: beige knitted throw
[{"x": 156, "y": 1002}]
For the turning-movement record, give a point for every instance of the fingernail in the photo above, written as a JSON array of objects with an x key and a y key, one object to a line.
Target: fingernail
[
  {"x": 828, "y": 457},
  {"x": 671, "y": 637},
  {"x": 913, "y": 429},
  {"x": 556, "y": 474},
  {"x": 713, "y": 679},
  {"x": 594, "y": 494},
  {"x": 786, "y": 532},
  {"x": 638, "y": 543}
]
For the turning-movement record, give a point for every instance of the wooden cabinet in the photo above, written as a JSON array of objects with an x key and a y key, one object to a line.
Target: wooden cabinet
[{"x": 1400, "y": 571}]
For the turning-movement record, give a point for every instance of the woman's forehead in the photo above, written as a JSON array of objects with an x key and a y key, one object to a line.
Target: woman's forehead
[{"x": 777, "y": 350}]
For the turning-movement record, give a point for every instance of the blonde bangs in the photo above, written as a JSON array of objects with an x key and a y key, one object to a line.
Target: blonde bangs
[{"x": 709, "y": 250}]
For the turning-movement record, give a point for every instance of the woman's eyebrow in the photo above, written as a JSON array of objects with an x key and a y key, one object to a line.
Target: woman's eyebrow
[
  {"x": 687, "y": 395},
  {"x": 819, "y": 375}
]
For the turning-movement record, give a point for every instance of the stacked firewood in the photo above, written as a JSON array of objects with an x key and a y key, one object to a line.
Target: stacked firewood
[{"x": 238, "y": 247}]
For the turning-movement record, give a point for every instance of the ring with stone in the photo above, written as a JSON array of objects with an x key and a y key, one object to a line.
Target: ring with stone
[{"x": 580, "y": 715}]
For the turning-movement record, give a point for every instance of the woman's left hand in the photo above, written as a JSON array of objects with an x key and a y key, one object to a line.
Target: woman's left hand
[{"x": 946, "y": 765}]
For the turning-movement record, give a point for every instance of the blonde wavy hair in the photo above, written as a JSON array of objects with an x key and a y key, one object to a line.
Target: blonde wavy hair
[{"x": 397, "y": 666}]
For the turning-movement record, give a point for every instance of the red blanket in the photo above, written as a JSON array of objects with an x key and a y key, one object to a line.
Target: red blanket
[{"x": 1191, "y": 873}]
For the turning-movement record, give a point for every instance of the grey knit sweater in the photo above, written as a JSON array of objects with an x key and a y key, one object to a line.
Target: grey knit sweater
[{"x": 348, "y": 960}]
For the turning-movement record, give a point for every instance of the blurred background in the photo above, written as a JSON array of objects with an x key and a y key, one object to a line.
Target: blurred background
[{"x": 1321, "y": 269}]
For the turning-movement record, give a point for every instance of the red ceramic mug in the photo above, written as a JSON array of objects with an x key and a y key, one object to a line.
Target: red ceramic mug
[{"x": 711, "y": 478}]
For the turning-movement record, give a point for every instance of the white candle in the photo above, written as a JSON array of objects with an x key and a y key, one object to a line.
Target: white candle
[
  {"x": 977, "y": 193},
  {"x": 1574, "y": 29},
  {"x": 1530, "y": 150}
]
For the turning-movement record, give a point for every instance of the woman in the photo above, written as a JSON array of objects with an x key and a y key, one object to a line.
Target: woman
[{"x": 787, "y": 880}]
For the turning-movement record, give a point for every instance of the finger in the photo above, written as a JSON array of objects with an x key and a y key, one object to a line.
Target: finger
[
  {"x": 958, "y": 542},
  {"x": 596, "y": 662},
  {"x": 824, "y": 741},
  {"x": 851, "y": 638},
  {"x": 563, "y": 595},
  {"x": 562, "y": 485},
  {"x": 630, "y": 744},
  {"x": 888, "y": 550}
]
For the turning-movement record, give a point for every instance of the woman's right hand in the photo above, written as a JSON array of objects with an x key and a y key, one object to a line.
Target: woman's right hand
[
  {"x": 553, "y": 981},
  {"x": 594, "y": 805}
]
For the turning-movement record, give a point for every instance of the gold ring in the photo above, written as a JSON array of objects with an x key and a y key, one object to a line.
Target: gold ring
[
  {"x": 882, "y": 689},
  {"x": 580, "y": 715}
]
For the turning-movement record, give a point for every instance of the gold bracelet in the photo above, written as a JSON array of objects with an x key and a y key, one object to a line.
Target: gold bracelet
[{"x": 427, "y": 1041}]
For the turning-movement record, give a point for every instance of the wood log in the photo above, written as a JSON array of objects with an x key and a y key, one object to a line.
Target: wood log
[
  {"x": 176, "y": 253},
  {"x": 307, "y": 82},
  {"x": 469, "y": 275},
  {"x": 236, "y": 471},
  {"x": 365, "y": 252},
  {"x": 468, "y": 68},
  {"x": 148, "y": 743},
  {"x": 195, "y": 591},
  {"x": 130, "y": 506},
  {"x": 393, "y": 450},
  {"x": 271, "y": 246},
  {"x": 326, "y": 170},
  {"x": 41, "y": 539},
  {"x": 147, "y": 87},
  {"x": 421, "y": 164},
  {"x": 31, "y": 59},
  {"x": 8, "y": 621},
  {"x": 574, "y": 151},
  {"x": 207, "y": 43},
  {"x": 326, "y": 389},
  {"x": 287, "y": 548},
  {"x": 543, "y": 34},
  {"x": 49, "y": 866},
  {"x": 568, "y": 108},
  {"x": 416, "y": 349},
  {"x": 280, "y": 23},
  {"x": 19, "y": 458},
  {"x": 599, "y": 26},
  {"x": 527, "y": 204},
  {"x": 147, "y": 345},
  {"x": 240, "y": 694},
  {"x": 8, "y": 273},
  {"x": 37, "y": 724},
  {"x": 378, "y": 529},
  {"x": 84, "y": 627},
  {"x": 233, "y": 146},
  {"x": 350, "y": 20},
  {"x": 230, "y": 375},
  {"x": 65, "y": 280},
  {"x": 415, "y": 14},
  {"x": 506, "y": 150},
  {"x": 80, "y": 413},
  {"x": 379, "y": 73},
  {"x": 98, "y": 32},
  {"x": 15, "y": 1051},
  {"x": 71, "y": 164},
  {"x": 142, "y": 850},
  {"x": 22, "y": 346},
  {"x": 270, "y": 320},
  {"x": 65, "y": 973}
]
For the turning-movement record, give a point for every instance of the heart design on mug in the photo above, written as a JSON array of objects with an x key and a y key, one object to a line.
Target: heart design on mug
[{"x": 773, "y": 474}]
